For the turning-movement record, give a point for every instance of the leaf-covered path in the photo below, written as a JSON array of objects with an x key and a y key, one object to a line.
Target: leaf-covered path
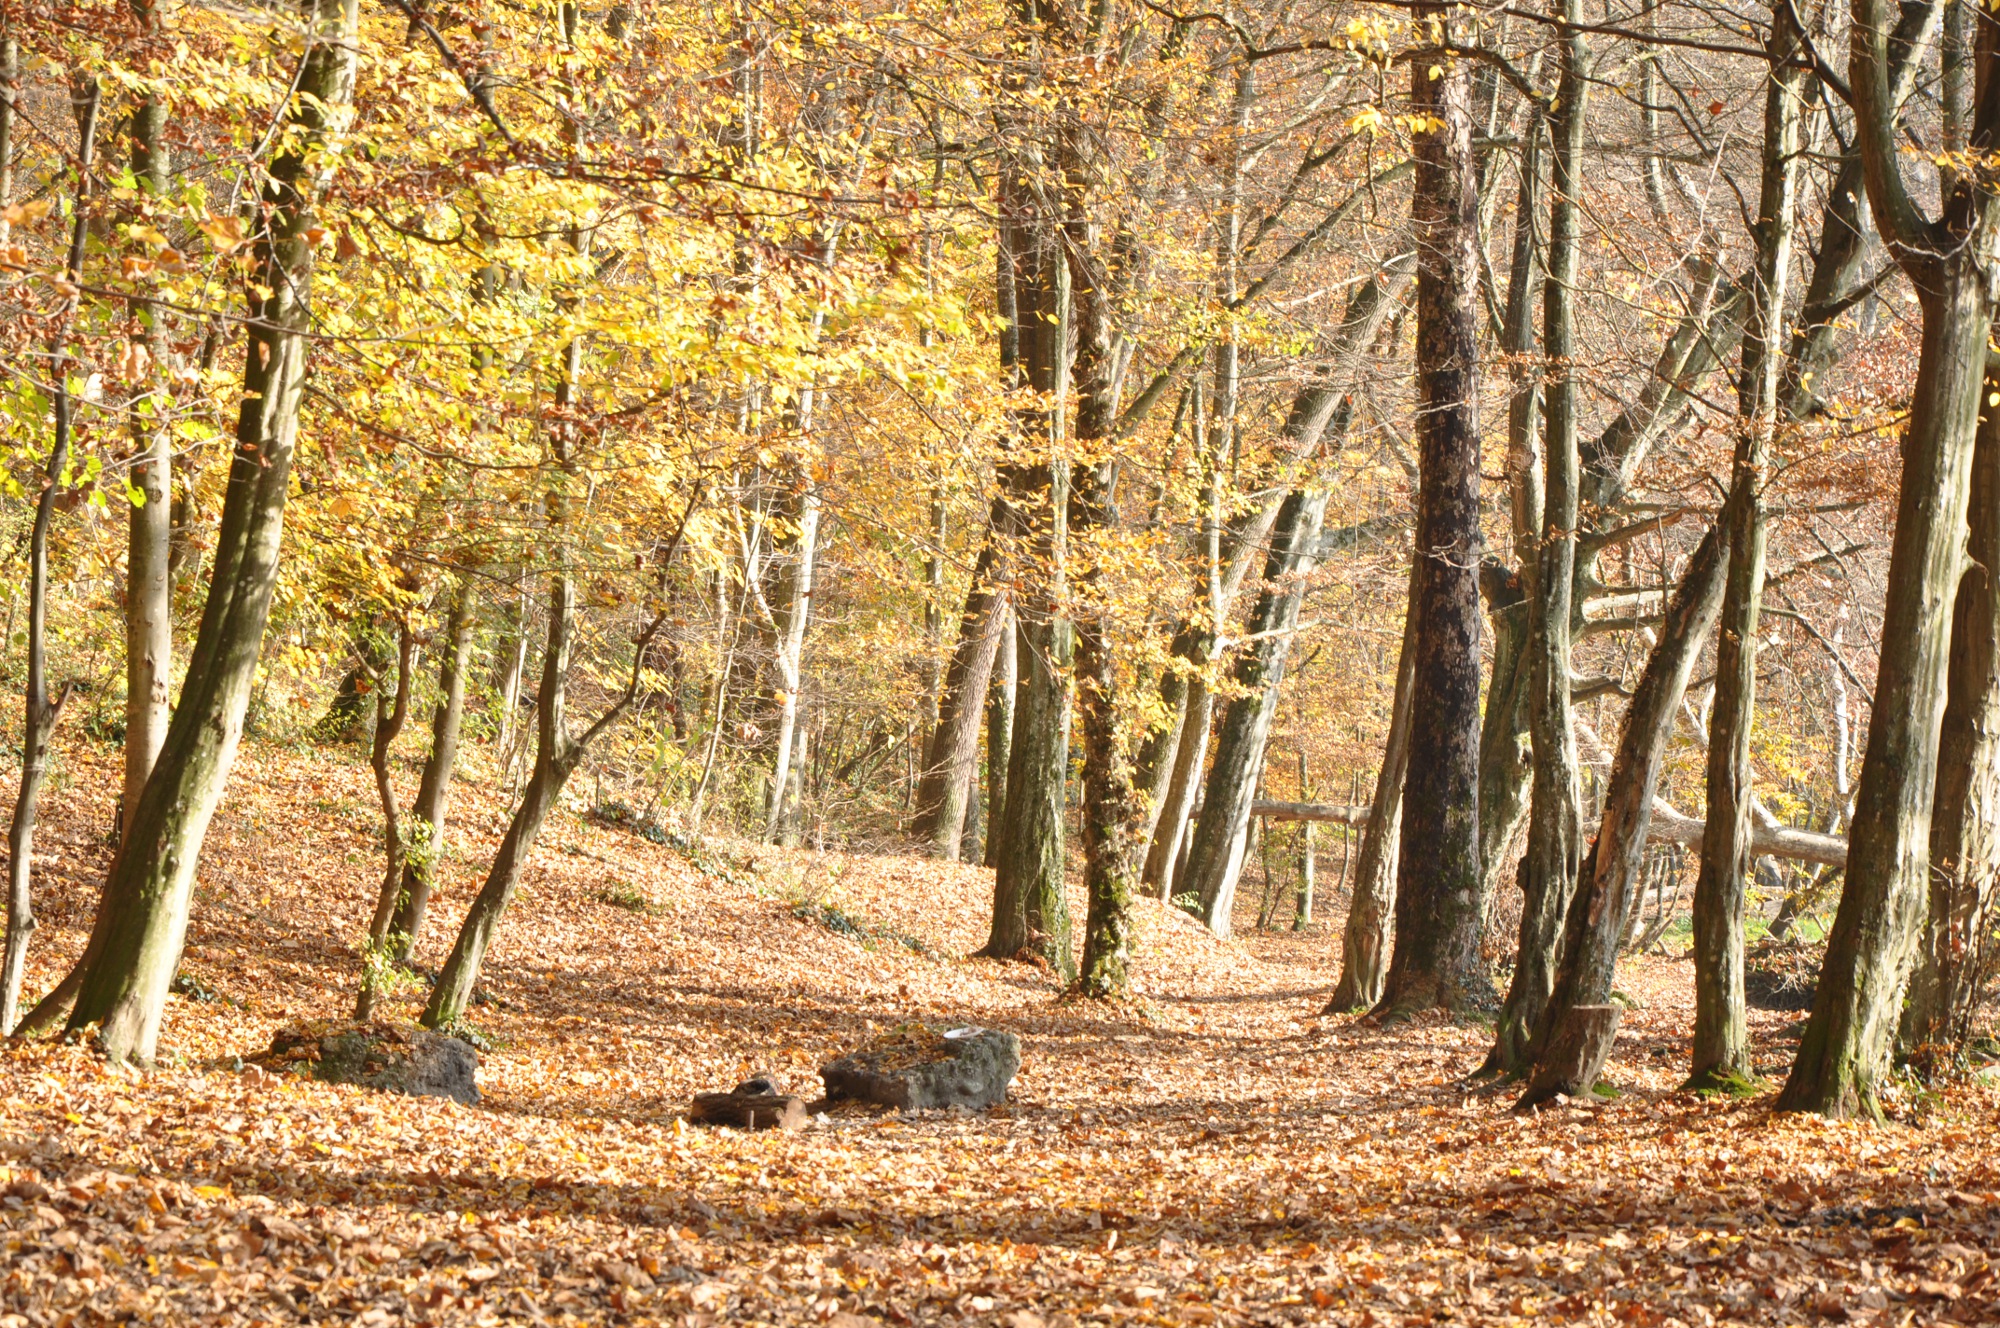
[{"x": 1217, "y": 1153}]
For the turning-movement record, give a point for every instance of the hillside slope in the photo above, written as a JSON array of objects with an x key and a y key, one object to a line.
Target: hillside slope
[{"x": 1215, "y": 1152}]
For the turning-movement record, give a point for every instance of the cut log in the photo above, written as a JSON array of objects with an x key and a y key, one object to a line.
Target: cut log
[
  {"x": 1668, "y": 827},
  {"x": 749, "y": 1111},
  {"x": 1575, "y": 1056},
  {"x": 1334, "y": 812}
]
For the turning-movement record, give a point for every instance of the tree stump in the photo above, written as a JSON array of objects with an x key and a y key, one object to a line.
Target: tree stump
[
  {"x": 1569, "y": 1065},
  {"x": 748, "y": 1111}
]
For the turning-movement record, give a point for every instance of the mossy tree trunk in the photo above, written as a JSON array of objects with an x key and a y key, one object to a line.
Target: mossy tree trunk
[{"x": 142, "y": 921}]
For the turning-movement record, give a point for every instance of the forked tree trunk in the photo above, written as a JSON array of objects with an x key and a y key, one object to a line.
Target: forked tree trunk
[
  {"x": 420, "y": 864},
  {"x": 1950, "y": 262},
  {"x": 790, "y": 653},
  {"x": 1616, "y": 866},
  {"x": 951, "y": 762},
  {"x": 1721, "y": 1030},
  {"x": 1364, "y": 951},
  {"x": 1965, "y": 821},
  {"x": 557, "y": 755},
  {"x": 1215, "y": 857},
  {"x": 1438, "y": 906},
  {"x": 142, "y": 921},
  {"x": 1555, "y": 813},
  {"x": 40, "y": 711},
  {"x": 1170, "y": 831},
  {"x": 389, "y": 720}
]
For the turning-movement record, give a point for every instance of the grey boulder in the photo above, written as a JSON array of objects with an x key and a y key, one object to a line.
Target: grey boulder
[
  {"x": 918, "y": 1069},
  {"x": 386, "y": 1057}
]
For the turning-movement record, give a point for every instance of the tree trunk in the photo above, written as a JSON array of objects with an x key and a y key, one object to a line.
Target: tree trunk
[
  {"x": 389, "y": 721},
  {"x": 952, "y": 761},
  {"x": 1215, "y": 856},
  {"x": 1721, "y": 1032},
  {"x": 1030, "y": 910},
  {"x": 790, "y": 654},
  {"x": 999, "y": 730},
  {"x": 39, "y": 711},
  {"x": 1365, "y": 940},
  {"x": 1436, "y": 961},
  {"x": 1617, "y": 861},
  {"x": 557, "y": 755},
  {"x": 1950, "y": 262},
  {"x": 1555, "y": 814},
  {"x": 149, "y": 621},
  {"x": 142, "y": 922},
  {"x": 426, "y": 851},
  {"x": 1965, "y": 820},
  {"x": 1170, "y": 831},
  {"x": 1575, "y": 1055}
]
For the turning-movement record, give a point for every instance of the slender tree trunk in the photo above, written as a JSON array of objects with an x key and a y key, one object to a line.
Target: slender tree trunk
[
  {"x": 1616, "y": 865},
  {"x": 1215, "y": 857},
  {"x": 142, "y": 922},
  {"x": 1950, "y": 262},
  {"x": 1721, "y": 1031},
  {"x": 1170, "y": 832},
  {"x": 999, "y": 730},
  {"x": 1438, "y": 903},
  {"x": 1364, "y": 948},
  {"x": 952, "y": 761},
  {"x": 39, "y": 710},
  {"x": 1555, "y": 815},
  {"x": 389, "y": 721},
  {"x": 420, "y": 863},
  {"x": 797, "y": 610},
  {"x": 149, "y": 531}
]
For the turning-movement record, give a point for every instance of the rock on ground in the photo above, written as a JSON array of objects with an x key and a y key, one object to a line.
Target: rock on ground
[
  {"x": 919, "y": 1068},
  {"x": 387, "y": 1057}
]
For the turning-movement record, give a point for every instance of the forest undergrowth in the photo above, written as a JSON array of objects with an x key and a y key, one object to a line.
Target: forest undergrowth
[{"x": 1215, "y": 1151}]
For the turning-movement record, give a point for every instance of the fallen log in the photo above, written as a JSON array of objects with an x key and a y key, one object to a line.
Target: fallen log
[
  {"x": 1310, "y": 811},
  {"x": 1668, "y": 827}
]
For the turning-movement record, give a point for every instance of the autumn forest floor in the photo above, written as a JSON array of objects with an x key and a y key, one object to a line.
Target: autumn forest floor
[{"x": 1214, "y": 1152}]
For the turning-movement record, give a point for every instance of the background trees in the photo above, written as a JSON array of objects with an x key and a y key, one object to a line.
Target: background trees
[{"x": 768, "y": 383}]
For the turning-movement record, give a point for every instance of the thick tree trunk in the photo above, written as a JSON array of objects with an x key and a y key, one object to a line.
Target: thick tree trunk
[
  {"x": 434, "y": 789},
  {"x": 149, "y": 529},
  {"x": 1215, "y": 857},
  {"x": 1365, "y": 940},
  {"x": 1436, "y": 961},
  {"x": 1950, "y": 262},
  {"x": 1721, "y": 1031},
  {"x": 1617, "y": 861},
  {"x": 1030, "y": 910},
  {"x": 952, "y": 761},
  {"x": 1555, "y": 814},
  {"x": 40, "y": 711},
  {"x": 142, "y": 921}
]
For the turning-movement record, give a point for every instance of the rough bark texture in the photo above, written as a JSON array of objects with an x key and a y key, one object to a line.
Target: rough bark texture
[
  {"x": 749, "y": 1111},
  {"x": 1617, "y": 861},
  {"x": 434, "y": 789},
  {"x": 1950, "y": 262},
  {"x": 1555, "y": 814},
  {"x": 999, "y": 732},
  {"x": 1574, "y": 1057},
  {"x": 951, "y": 761},
  {"x": 142, "y": 921},
  {"x": 1215, "y": 858},
  {"x": 1436, "y": 961},
  {"x": 1721, "y": 1031},
  {"x": 1953, "y": 950}
]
